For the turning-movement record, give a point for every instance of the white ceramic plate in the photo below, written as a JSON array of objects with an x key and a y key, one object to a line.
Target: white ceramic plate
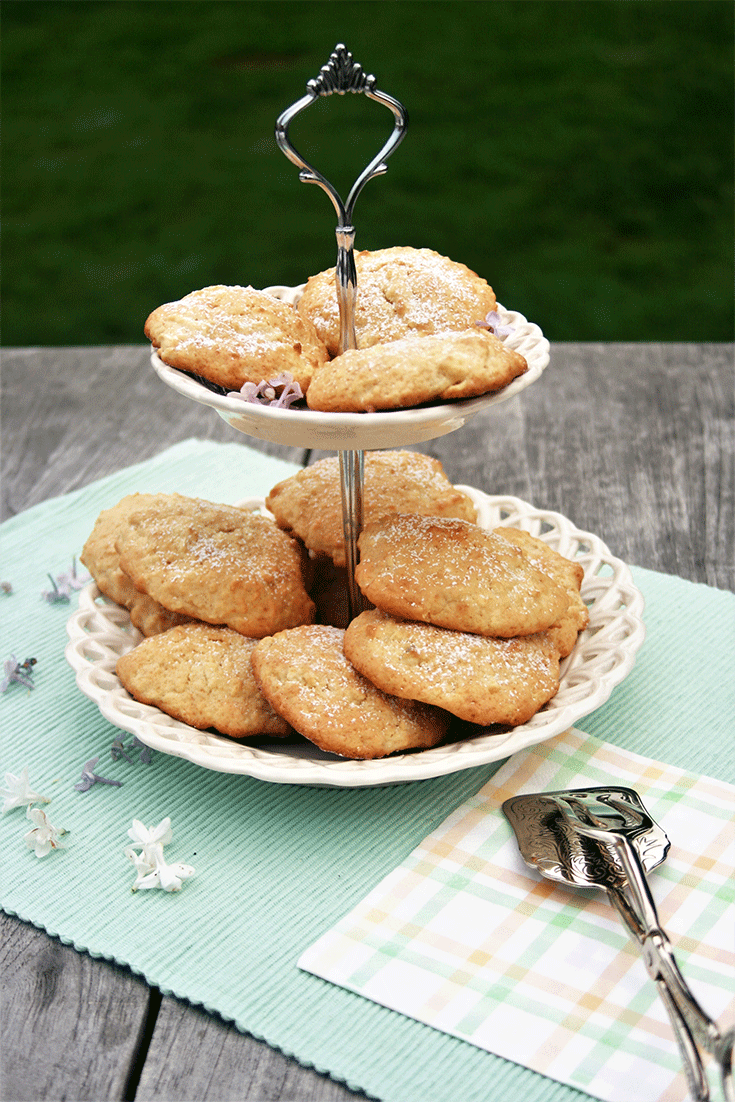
[
  {"x": 361, "y": 431},
  {"x": 100, "y": 631}
]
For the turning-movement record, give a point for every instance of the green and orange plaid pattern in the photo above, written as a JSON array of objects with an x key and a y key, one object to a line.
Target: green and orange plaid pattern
[{"x": 465, "y": 938}]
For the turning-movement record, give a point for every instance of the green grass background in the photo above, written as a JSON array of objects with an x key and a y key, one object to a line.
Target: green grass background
[{"x": 577, "y": 153}]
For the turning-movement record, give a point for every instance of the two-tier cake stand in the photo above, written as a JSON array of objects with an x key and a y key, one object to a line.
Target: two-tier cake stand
[
  {"x": 351, "y": 435},
  {"x": 99, "y": 631}
]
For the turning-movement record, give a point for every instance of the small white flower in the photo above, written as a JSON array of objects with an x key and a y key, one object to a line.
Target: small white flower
[
  {"x": 151, "y": 868},
  {"x": 147, "y": 836},
  {"x": 18, "y": 792},
  {"x": 44, "y": 837}
]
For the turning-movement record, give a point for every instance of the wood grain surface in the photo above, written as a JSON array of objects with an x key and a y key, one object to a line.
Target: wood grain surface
[{"x": 634, "y": 442}]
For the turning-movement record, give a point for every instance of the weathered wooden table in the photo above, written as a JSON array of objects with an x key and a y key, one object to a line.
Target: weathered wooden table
[{"x": 633, "y": 442}]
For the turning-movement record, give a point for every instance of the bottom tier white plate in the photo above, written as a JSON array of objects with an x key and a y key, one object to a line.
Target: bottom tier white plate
[{"x": 100, "y": 631}]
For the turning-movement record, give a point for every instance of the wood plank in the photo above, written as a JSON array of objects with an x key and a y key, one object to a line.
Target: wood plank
[
  {"x": 195, "y": 1055},
  {"x": 71, "y": 1025},
  {"x": 73, "y": 415}
]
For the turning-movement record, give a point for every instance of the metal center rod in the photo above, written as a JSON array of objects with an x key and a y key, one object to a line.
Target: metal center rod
[
  {"x": 352, "y": 477},
  {"x": 341, "y": 75}
]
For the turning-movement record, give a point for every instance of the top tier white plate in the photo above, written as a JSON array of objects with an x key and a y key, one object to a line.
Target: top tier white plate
[{"x": 361, "y": 431}]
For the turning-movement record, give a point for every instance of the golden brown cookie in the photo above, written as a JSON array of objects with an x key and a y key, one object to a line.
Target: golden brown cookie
[
  {"x": 564, "y": 572},
  {"x": 478, "y": 678},
  {"x": 150, "y": 618},
  {"x": 234, "y": 335},
  {"x": 201, "y": 675},
  {"x": 307, "y": 679},
  {"x": 456, "y": 575},
  {"x": 309, "y": 504},
  {"x": 100, "y": 555},
  {"x": 216, "y": 563},
  {"x": 400, "y": 292},
  {"x": 415, "y": 370}
]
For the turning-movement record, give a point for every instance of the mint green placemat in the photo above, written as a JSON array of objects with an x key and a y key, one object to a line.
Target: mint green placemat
[{"x": 276, "y": 866}]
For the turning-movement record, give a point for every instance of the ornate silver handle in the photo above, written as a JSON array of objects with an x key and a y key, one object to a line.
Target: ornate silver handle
[
  {"x": 342, "y": 74},
  {"x": 693, "y": 1028}
]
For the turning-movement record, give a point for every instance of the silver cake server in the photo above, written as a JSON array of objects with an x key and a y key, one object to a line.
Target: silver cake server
[{"x": 605, "y": 838}]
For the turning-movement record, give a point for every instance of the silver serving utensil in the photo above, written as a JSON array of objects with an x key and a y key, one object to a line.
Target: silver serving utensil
[
  {"x": 340, "y": 75},
  {"x": 605, "y": 838}
]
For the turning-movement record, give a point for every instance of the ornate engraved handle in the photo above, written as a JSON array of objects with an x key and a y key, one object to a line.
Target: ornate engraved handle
[
  {"x": 693, "y": 1028},
  {"x": 340, "y": 75}
]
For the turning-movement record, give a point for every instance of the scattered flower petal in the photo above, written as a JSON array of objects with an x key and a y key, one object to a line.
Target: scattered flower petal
[
  {"x": 63, "y": 584},
  {"x": 89, "y": 777},
  {"x": 495, "y": 324},
  {"x": 22, "y": 672},
  {"x": 151, "y": 868},
  {"x": 44, "y": 837},
  {"x": 266, "y": 393},
  {"x": 149, "y": 836},
  {"x": 146, "y": 754},
  {"x": 71, "y": 579},
  {"x": 119, "y": 749},
  {"x": 56, "y": 594},
  {"x": 18, "y": 792},
  {"x": 6, "y": 587}
]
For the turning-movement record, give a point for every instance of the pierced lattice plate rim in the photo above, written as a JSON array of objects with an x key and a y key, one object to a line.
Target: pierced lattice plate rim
[
  {"x": 100, "y": 632},
  {"x": 362, "y": 431}
]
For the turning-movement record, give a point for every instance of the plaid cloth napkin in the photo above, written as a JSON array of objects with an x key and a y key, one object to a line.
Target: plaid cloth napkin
[{"x": 464, "y": 937}]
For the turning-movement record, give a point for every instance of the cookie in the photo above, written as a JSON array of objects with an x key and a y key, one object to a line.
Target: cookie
[
  {"x": 100, "y": 554},
  {"x": 566, "y": 573},
  {"x": 477, "y": 678},
  {"x": 234, "y": 335},
  {"x": 309, "y": 504},
  {"x": 150, "y": 618},
  {"x": 305, "y": 676},
  {"x": 415, "y": 370},
  {"x": 400, "y": 292},
  {"x": 216, "y": 563},
  {"x": 456, "y": 575},
  {"x": 201, "y": 675}
]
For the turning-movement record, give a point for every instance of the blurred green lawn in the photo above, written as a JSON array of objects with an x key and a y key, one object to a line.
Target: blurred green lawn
[{"x": 577, "y": 153}]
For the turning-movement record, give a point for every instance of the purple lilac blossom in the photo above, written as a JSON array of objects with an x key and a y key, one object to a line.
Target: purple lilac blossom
[
  {"x": 495, "y": 324},
  {"x": 266, "y": 393},
  {"x": 89, "y": 777},
  {"x": 22, "y": 672}
]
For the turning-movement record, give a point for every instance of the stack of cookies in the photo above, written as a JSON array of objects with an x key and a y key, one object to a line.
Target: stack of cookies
[
  {"x": 419, "y": 321},
  {"x": 463, "y": 623}
]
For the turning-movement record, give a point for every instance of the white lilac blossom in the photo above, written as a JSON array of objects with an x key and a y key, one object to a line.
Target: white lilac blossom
[
  {"x": 63, "y": 584},
  {"x": 151, "y": 868},
  {"x": 89, "y": 777},
  {"x": 495, "y": 324},
  {"x": 22, "y": 672},
  {"x": 266, "y": 393},
  {"x": 18, "y": 792},
  {"x": 44, "y": 837}
]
